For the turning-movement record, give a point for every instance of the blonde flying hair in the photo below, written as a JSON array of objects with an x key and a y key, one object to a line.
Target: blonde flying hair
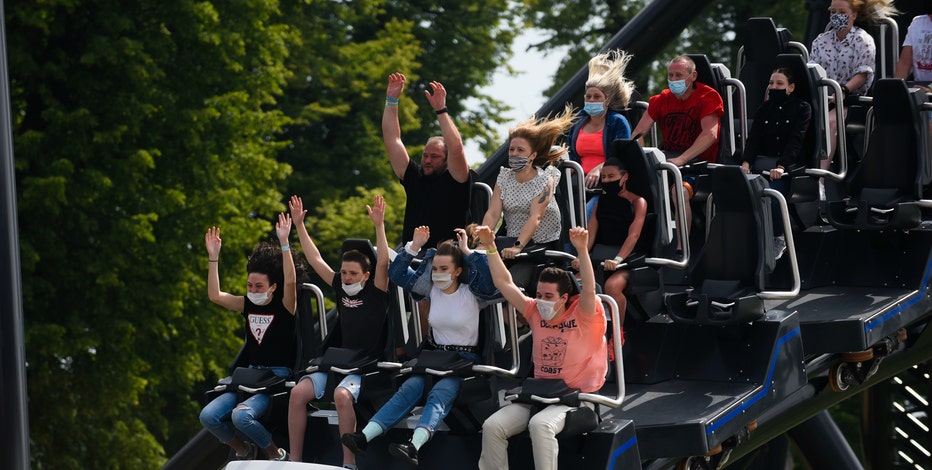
[
  {"x": 542, "y": 133},
  {"x": 607, "y": 73},
  {"x": 870, "y": 11}
]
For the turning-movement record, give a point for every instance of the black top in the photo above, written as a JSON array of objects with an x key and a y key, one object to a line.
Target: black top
[
  {"x": 362, "y": 317},
  {"x": 271, "y": 339},
  {"x": 779, "y": 131},
  {"x": 615, "y": 216},
  {"x": 437, "y": 201}
]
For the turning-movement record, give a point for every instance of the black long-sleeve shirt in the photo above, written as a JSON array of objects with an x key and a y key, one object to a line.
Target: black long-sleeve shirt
[{"x": 779, "y": 131}]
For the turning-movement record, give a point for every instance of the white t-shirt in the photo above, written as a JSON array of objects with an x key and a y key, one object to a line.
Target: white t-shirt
[
  {"x": 454, "y": 318},
  {"x": 919, "y": 37}
]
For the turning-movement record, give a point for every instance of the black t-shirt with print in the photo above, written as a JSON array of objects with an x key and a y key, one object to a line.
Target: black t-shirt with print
[
  {"x": 362, "y": 317},
  {"x": 270, "y": 337}
]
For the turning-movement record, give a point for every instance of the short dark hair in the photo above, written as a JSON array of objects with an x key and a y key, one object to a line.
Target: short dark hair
[
  {"x": 447, "y": 248},
  {"x": 559, "y": 277},
  {"x": 266, "y": 258},
  {"x": 788, "y": 73},
  {"x": 356, "y": 256}
]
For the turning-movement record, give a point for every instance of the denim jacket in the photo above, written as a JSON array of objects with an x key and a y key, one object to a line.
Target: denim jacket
[{"x": 418, "y": 282}]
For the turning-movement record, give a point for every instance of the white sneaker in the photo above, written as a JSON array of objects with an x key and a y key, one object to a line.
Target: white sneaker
[
  {"x": 779, "y": 247},
  {"x": 282, "y": 455}
]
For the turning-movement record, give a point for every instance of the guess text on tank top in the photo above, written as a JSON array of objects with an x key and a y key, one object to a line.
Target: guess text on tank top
[{"x": 258, "y": 324}]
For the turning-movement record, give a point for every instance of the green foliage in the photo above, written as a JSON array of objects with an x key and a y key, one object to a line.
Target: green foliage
[{"x": 137, "y": 126}]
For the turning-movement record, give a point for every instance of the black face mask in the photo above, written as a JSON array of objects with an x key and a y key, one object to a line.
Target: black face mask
[
  {"x": 778, "y": 96},
  {"x": 611, "y": 187}
]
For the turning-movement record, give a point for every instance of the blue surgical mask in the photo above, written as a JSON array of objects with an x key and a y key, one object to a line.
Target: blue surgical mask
[
  {"x": 677, "y": 87},
  {"x": 594, "y": 108},
  {"x": 838, "y": 21},
  {"x": 518, "y": 163}
]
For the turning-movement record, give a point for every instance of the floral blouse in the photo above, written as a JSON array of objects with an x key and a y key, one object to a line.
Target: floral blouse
[
  {"x": 516, "y": 203},
  {"x": 842, "y": 59}
]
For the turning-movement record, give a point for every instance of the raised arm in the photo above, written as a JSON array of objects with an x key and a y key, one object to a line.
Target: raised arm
[
  {"x": 213, "y": 242},
  {"x": 377, "y": 214},
  {"x": 579, "y": 237},
  {"x": 456, "y": 154},
  {"x": 494, "y": 212},
  {"x": 311, "y": 253},
  {"x": 500, "y": 275},
  {"x": 391, "y": 129},
  {"x": 643, "y": 128},
  {"x": 290, "y": 294}
]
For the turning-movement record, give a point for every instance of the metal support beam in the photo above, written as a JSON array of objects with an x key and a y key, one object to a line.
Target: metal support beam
[{"x": 823, "y": 445}]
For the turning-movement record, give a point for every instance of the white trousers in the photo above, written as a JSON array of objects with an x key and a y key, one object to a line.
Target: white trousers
[{"x": 513, "y": 419}]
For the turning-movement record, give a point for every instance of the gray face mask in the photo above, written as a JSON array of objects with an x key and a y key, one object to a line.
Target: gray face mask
[
  {"x": 442, "y": 280},
  {"x": 518, "y": 163},
  {"x": 546, "y": 309}
]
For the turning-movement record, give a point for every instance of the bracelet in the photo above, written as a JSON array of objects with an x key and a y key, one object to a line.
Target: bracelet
[
  {"x": 391, "y": 104},
  {"x": 286, "y": 247},
  {"x": 391, "y": 100},
  {"x": 618, "y": 259},
  {"x": 442, "y": 110},
  {"x": 212, "y": 260},
  {"x": 489, "y": 251}
]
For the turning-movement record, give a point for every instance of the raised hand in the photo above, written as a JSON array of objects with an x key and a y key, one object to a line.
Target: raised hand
[
  {"x": 579, "y": 237},
  {"x": 462, "y": 240},
  {"x": 396, "y": 85},
  {"x": 213, "y": 242},
  {"x": 296, "y": 206},
  {"x": 437, "y": 100},
  {"x": 421, "y": 235},
  {"x": 377, "y": 211},
  {"x": 484, "y": 234},
  {"x": 283, "y": 228}
]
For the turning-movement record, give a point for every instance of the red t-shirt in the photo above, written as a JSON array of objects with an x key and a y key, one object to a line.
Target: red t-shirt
[
  {"x": 681, "y": 121},
  {"x": 590, "y": 149},
  {"x": 571, "y": 348}
]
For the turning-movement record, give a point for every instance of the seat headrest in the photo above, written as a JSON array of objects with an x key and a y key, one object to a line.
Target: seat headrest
[
  {"x": 892, "y": 103},
  {"x": 363, "y": 246},
  {"x": 704, "y": 73},
  {"x": 731, "y": 189},
  {"x": 797, "y": 66}
]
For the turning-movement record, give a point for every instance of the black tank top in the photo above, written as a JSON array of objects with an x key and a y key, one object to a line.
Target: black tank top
[{"x": 615, "y": 215}]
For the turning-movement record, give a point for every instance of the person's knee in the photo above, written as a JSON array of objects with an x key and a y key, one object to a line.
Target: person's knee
[
  {"x": 615, "y": 285},
  {"x": 541, "y": 428},
  {"x": 493, "y": 428},
  {"x": 342, "y": 397},
  {"x": 302, "y": 393},
  {"x": 242, "y": 416},
  {"x": 208, "y": 418}
]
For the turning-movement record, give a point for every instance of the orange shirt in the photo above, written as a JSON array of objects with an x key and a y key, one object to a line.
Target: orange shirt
[{"x": 571, "y": 347}]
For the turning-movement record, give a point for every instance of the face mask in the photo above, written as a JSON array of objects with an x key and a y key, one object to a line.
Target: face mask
[
  {"x": 611, "y": 187},
  {"x": 677, "y": 87},
  {"x": 442, "y": 280},
  {"x": 352, "y": 289},
  {"x": 838, "y": 21},
  {"x": 518, "y": 163},
  {"x": 260, "y": 298},
  {"x": 595, "y": 108},
  {"x": 778, "y": 96},
  {"x": 545, "y": 307}
]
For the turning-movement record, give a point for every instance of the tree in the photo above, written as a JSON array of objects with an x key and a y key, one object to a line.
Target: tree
[{"x": 137, "y": 126}]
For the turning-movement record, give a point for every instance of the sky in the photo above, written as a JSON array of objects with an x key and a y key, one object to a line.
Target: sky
[{"x": 522, "y": 92}]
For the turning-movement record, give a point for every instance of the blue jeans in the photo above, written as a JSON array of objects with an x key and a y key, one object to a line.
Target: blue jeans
[
  {"x": 221, "y": 415},
  {"x": 439, "y": 400}
]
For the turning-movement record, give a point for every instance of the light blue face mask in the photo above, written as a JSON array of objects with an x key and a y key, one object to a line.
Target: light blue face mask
[
  {"x": 677, "y": 87},
  {"x": 594, "y": 108}
]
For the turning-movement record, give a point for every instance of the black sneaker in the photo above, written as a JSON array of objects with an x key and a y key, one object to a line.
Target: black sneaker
[
  {"x": 355, "y": 442},
  {"x": 404, "y": 451}
]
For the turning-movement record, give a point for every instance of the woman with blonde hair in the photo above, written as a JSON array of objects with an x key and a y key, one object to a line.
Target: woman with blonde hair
[
  {"x": 523, "y": 192},
  {"x": 608, "y": 91}
]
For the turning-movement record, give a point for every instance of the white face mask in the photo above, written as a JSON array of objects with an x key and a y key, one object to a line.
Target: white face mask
[
  {"x": 545, "y": 307},
  {"x": 442, "y": 280},
  {"x": 260, "y": 298},
  {"x": 353, "y": 289}
]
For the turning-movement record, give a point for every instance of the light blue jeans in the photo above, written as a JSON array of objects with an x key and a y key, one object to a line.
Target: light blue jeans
[
  {"x": 439, "y": 401},
  {"x": 222, "y": 417}
]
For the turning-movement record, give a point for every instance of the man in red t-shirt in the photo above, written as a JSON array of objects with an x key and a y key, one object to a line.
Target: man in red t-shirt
[
  {"x": 568, "y": 334},
  {"x": 688, "y": 114}
]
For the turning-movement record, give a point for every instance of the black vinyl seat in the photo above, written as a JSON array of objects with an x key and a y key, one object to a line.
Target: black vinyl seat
[
  {"x": 731, "y": 267},
  {"x": 758, "y": 57},
  {"x": 885, "y": 189}
]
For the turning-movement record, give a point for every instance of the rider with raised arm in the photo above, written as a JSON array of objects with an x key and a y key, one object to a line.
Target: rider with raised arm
[
  {"x": 437, "y": 190},
  {"x": 568, "y": 334},
  {"x": 454, "y": 326},
  {"x": 268, "y": 309},
  {"x": 363, "y": 306}
]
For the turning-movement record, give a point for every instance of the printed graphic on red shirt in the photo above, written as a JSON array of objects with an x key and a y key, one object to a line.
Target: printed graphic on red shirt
[
  {"x": 258, "y": 324},
  {"x": 679, "y": 131}
]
